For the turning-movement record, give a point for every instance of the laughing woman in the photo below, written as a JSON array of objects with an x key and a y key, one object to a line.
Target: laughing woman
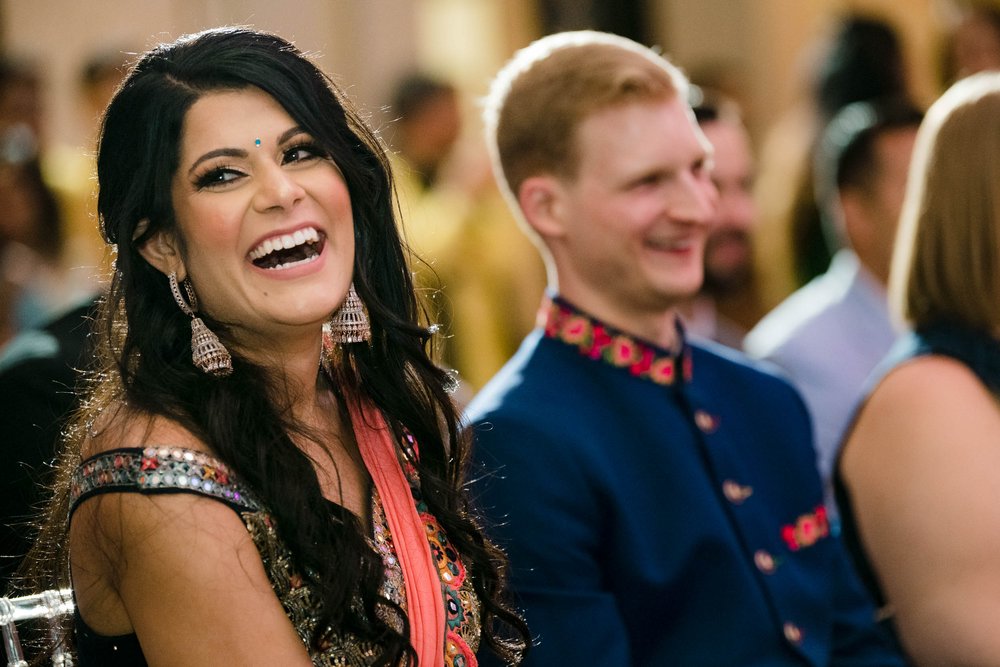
[{"x": 267, "y": 469}]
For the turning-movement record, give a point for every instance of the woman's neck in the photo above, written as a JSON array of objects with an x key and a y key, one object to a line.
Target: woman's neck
[{"x": 294, "y": 362}]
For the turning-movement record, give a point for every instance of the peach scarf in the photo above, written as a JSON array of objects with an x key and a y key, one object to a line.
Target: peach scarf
[{"x": 424, "y": 601}]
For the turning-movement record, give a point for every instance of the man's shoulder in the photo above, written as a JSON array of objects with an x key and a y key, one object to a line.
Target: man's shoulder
[
  {"x": 534, "y": 383},
  {"x": 748, "y": 386},
  {"x": 803, "y": 320},
  {"x": 724, "y": 365}
]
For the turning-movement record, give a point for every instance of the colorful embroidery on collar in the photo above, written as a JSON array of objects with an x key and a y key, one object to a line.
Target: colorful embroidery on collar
[
  {"x": 596, "y": 340},
  {"x": 807, "y": 530}
]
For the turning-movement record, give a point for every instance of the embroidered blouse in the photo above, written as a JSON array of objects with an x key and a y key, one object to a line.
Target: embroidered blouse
[{"x": 173, "y": 469}]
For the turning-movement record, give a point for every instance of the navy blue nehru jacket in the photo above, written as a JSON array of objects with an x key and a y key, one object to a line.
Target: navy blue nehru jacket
[{"x": 662, "y": 510}]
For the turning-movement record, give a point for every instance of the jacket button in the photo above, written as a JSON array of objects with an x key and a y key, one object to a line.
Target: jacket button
[
  {"x": 706, "y": 422},
  {"x": 764, "y": 561},
  {"x": 792, "y": 633},
  {"x": 735, "y": 492}
]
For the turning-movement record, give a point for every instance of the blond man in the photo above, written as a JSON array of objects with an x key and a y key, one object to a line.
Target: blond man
[{"x": 657, "y": 497}]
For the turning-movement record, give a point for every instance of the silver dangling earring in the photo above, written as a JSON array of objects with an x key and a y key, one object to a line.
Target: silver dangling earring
[
  {"x": 349, "y": 323},
  {"x": 207, "y": 351}
]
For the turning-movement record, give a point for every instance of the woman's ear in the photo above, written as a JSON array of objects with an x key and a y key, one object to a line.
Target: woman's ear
[{"x": 162, "y": 252}]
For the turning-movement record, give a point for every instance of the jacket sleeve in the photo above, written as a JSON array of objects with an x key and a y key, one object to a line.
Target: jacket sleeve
[
  {"x": 540, "y": 507},
  {"x": 858, "y": 640}
]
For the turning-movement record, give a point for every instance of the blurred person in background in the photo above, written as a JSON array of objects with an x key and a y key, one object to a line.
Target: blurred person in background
[
  {"x": 71, "y": 172},
  {"x": 39, "y": 367},
  {"x": 479, "y": 275},
  {"x": 861, "y": 59},
  {"x": 728, "y": 303},
  {"x": 831, "y": 333},
  {"x": 973, "y": 44},
  {"x": 427, "y": 126},
  {"x": 33, "y": 282},
  {"x": 20, "y": 107},
  {"x": 39, "y": 375},
  {"x": 48, "y": 256},
  {"x": 919, "y": 469}
]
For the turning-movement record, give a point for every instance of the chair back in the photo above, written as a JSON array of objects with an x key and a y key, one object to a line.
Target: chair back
[{"x": 49, "y": 605}]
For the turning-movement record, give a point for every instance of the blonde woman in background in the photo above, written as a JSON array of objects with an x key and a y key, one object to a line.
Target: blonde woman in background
[{"x": 919, "y": 470}]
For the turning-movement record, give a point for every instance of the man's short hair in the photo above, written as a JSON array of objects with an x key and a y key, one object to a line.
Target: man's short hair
[
  {"x": 846, "y": 156},
  {"x": 543, "y": 94}
]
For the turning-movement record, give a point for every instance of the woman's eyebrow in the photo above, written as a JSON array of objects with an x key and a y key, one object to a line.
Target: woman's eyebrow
[
  {"x": 289, "y": 133},
  {"x": 239, "y": 152},
  {"x": 218, "y": 152}
]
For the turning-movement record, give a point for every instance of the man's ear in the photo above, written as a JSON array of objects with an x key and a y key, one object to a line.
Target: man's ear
[
  {"x": 541, "y": 199},
  {"x": 161, "y": 250},
  {"x": 857, "y": 224}
]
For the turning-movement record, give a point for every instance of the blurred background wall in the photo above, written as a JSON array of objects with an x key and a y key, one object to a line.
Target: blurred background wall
[
  {"x": 765, "y": 45},
  {"x": 764, "y": 53}
]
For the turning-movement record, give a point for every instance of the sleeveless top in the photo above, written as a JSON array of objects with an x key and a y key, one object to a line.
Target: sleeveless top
[
  {"x": 980, "y": 353},
  {"x": 177, "y": 470}
]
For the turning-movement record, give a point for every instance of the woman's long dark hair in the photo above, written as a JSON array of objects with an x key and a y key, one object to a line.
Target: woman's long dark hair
[{"x": 146, "y": 338}]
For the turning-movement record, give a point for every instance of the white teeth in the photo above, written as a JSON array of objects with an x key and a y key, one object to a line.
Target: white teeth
[
  {"x": 289, "y": 265},
  {"x": 285, "y": 242}
]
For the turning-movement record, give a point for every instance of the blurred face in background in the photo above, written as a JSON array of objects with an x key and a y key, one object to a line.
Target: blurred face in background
[
  {"x": 882, "y": 203},
  {"x": 729, "y": 250},
  {"x": 975, "y": 45},
  {"x": 428, "y": 136},
  {"x": 20, "y": 219}
]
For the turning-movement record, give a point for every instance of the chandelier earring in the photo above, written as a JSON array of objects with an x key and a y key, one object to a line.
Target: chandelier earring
[
  {"x": 349, "y": 323},
  {"x": 207, "y": 351}
]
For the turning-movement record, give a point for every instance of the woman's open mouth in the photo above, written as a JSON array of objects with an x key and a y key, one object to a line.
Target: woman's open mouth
[{"x": 289, "y": 250}]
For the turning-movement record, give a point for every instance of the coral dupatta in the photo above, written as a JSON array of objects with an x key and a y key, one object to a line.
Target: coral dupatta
[{"x": 424, "y": 601}]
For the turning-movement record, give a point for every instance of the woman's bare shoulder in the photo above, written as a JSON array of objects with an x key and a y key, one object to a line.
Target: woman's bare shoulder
[
  {"x": 120, "y": 426},
  {"x": 919, "y": 407},
  {"x": 928, "y": 388}
]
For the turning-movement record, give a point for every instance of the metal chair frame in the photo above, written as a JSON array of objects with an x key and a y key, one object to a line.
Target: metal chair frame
[{"x": 47, "y": 604}]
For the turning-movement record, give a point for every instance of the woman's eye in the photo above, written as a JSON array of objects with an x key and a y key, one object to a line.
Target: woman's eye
[
  {"x": 301, "y": 153},
  {"x": 217, "y": 177}
]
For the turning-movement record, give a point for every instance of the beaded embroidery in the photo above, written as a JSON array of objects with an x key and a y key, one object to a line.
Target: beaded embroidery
[
  {"x": 462, "y": 608},
  {"x": 299, "y": 600},
  {"x": 598, "y": 341},
  {"x": 394, "y": 588},
  {"x": 158, "y": 469},
  {"x": 163, "y": 469}
]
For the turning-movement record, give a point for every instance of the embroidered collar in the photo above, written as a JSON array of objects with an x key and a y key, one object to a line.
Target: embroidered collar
[{"x": 566, "y": 323}]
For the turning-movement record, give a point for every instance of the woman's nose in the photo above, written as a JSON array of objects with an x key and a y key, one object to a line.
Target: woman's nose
[{"x": 276, "y": 188}]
